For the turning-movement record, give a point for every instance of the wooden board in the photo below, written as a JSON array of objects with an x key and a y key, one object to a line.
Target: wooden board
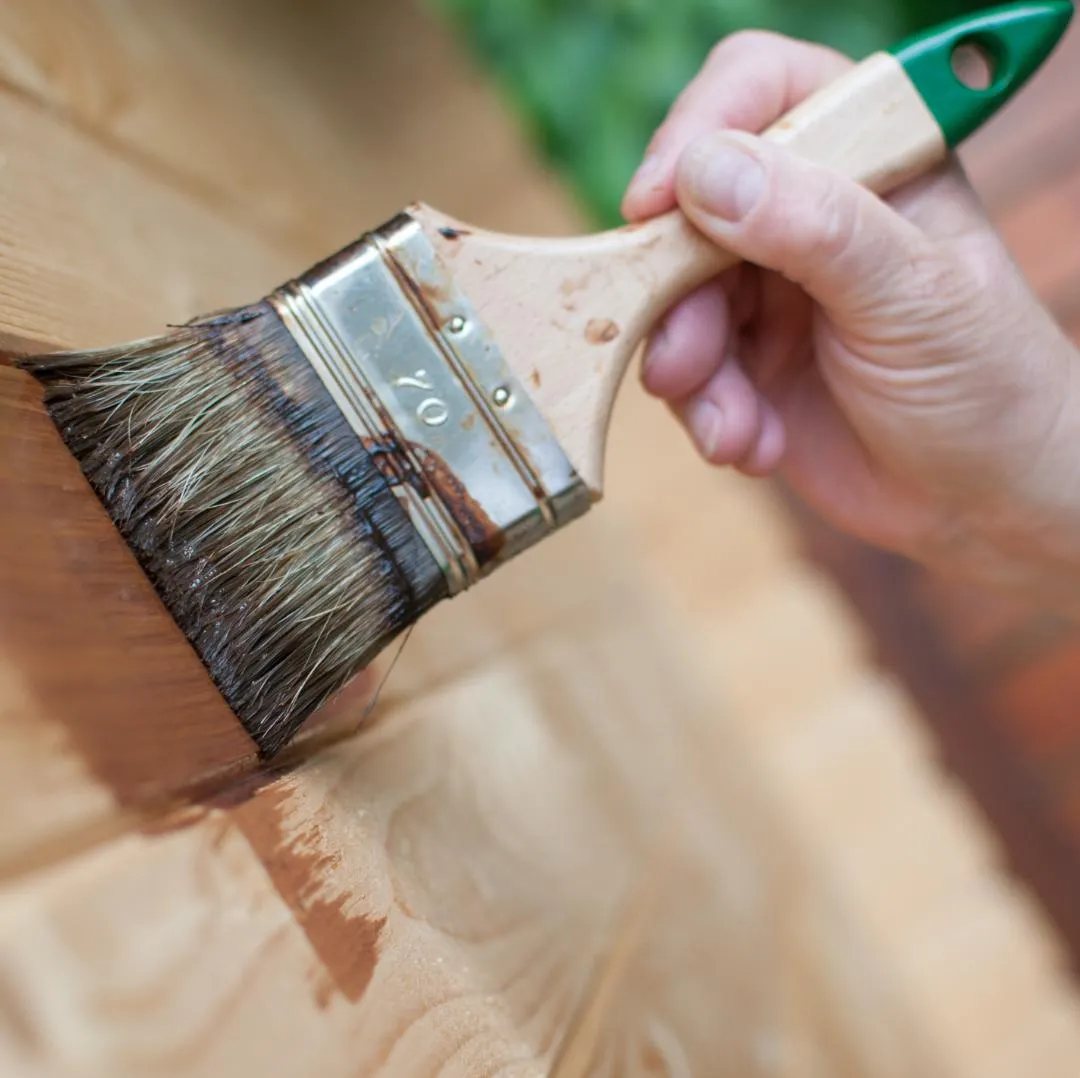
[
  {"x": 182, "y": 92},
  {"x": 638, "y": 804}
]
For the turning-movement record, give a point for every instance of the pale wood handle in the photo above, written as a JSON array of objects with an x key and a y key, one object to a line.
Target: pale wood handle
[
  {"x": 870, "y": 125},
  {"x": 569, "y": 314}
]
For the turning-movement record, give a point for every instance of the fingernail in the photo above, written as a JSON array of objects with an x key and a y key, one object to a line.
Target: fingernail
[
  {"x": 706, "y": 423},
  {"x": 724, "y": 179}
]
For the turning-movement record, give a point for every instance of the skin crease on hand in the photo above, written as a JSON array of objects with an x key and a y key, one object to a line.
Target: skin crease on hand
[{"x": 887, "y": 358}]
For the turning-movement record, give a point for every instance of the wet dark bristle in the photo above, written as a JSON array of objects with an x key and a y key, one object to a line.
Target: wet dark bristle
[{"x": 266, "y": 528}]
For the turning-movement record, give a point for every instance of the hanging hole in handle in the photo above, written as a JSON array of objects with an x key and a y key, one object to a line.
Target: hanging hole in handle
[{"x": 974, "y": 65}]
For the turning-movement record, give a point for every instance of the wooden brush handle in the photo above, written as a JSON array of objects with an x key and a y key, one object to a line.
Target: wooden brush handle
[
  {"x": 871, "y": 125},
  {"x": 569, "y": 314}
]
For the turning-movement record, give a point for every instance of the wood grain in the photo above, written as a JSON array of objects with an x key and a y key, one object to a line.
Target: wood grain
[
  {"x": 638, "y": 804},
  {"x": 182, "y": 92},
  {"x": 96, "y": 252},
  {"x": 493, "y": 922},
  {"x": 773, "y": 883}
]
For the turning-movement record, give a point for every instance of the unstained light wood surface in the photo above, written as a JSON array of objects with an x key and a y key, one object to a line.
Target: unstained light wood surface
[{"x": 640, "y": 804}]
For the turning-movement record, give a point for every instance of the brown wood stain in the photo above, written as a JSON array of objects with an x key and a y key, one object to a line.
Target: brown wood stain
[
  {"x": 87, "y": 631},
  {"x": 302, "y": 870}
]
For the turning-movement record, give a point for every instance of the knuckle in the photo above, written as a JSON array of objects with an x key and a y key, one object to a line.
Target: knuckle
[{"x": 743, "y": 43}]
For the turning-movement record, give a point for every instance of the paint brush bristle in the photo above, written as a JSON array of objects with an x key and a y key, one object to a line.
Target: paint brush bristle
[
  {"x": 266, "y": 526},
  {"x": 303, "y": 478}
]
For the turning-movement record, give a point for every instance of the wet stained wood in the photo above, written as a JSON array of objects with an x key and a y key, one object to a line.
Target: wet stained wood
[
  {"x": 94, "y": 250},
  {"x": 93, "y": 645},
  {"x": 638, "y": 804}
]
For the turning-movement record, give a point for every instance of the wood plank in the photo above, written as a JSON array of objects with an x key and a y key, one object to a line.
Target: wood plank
[
  {"x": 592, "y": 830},
  {"x": 486, "y": 884},
  {"x": 765, "y": 887},
  {"x": 96, "y": 250},
  {"x": 854, "y": 770},
  {"x": 182, "y": 91}
]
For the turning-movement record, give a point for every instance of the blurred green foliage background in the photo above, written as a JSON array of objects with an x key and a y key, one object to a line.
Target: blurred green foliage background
[{"x": 591, "y": 79}]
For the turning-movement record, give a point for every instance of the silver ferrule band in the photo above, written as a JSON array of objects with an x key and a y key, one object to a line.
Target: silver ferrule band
[{"x": 418, "y": 378}]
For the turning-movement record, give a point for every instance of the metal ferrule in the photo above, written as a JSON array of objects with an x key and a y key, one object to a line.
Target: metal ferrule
[{"x": 421, "y": 382}]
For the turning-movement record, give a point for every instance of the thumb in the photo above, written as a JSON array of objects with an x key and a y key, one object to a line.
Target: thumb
[{"x": 849, "y": 250}]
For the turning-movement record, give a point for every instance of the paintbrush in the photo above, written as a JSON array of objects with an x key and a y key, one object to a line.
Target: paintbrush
[{"x": 304, "y": 478}]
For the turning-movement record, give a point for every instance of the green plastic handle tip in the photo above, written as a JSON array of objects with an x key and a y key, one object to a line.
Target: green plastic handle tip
[{"x": 1015, "y": 39}]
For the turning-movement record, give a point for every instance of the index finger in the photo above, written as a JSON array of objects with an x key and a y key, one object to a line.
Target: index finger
[{"x": 748, "y": 82}]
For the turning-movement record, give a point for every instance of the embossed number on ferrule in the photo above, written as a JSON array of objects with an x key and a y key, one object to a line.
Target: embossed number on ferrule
[
  {"x": 447, "y": 398},
  {"x": 431, "y": 411}
]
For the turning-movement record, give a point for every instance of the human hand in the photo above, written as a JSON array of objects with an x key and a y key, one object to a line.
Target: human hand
[{"x": 888, "y": 358}]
